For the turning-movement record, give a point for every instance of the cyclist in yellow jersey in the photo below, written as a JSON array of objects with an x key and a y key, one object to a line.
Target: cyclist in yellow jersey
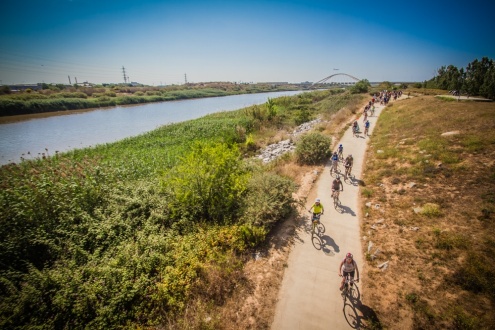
[{"x": 317, "y": 208}]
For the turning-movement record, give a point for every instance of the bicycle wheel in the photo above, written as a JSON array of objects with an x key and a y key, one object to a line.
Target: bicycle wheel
[
  {"x": 316, "y": 242},
  {"x": 321, "y": 228}
]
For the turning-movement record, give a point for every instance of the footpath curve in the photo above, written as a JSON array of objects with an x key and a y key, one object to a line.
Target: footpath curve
[{"x": 309, "y": 296}]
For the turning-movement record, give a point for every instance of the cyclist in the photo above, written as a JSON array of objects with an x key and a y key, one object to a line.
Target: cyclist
[
  {"x": 347, "y": 267},
  {"x": 336, "y": 187},
  {"x": 366, "y": 127},
  {"x": 335, "y": 161},
  {"x": 355, "y": 127},
  {"x": 317, "y": 208},
  {"x": 348, "y": 162},
  {"x": 341, "y": 152}
]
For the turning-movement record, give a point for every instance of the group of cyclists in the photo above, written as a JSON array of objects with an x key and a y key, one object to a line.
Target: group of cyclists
[
  {"x": 370, "y": 107},
  {"x": 348, "y": 266},
  {"x": 385, "y": 96}
]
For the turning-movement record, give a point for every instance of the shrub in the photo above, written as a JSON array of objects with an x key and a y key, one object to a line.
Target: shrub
[
  {"x": 207, "y": 184},
  {"x": 250, "y": 144},
  {"x": 313, "y": 148},
  {"x": 302, "y": 116},
  {"x": 268, "y": 199},
  {"x": 431, "y": 210},
  {"x": 361, "y": 86},
  {"x": 368, "y": 193}
]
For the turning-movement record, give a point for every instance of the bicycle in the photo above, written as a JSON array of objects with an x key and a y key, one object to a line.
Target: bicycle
[
  {"x": 348, "y": 289},
  {"x": 316, "y": 225},
  {"x": 335, "y": 167},
  {"x": 347, "y": 173},
  {"x": 335, "y": 196},
  {"x": 355, "y": 130}
]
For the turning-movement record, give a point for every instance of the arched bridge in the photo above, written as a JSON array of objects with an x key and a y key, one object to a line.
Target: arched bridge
[{"x": 336, "y": 74}]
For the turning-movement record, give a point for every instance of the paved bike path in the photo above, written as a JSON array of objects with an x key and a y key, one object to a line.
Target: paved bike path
[{"x": 309, "y": 296}]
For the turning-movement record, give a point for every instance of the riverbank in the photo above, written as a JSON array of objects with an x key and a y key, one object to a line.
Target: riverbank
[
  {"x": 34, "y": 102},
  {"x": 67, "y": 130}
]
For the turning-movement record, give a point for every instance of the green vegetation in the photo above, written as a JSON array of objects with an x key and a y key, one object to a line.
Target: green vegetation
[
  {"x": 127, "y": 234},
  {"x": 361, "y": 86},
  {"x": 313, "y": 148},
  {"x": 61, "y": 98},
  {"x": 477, "y": 79}
]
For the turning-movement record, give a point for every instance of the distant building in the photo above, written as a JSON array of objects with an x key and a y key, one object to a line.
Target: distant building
[{"x": 85, "y": 84}]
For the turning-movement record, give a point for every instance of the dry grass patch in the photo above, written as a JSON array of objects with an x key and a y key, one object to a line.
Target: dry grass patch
[{"x": 437, "y": 201}]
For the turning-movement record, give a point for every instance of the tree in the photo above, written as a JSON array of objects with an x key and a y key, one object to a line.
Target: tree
[
  {"x": 476, "y": 73},
  {"x": 361, "y": 86},
  {"x": 488, "y": 87}
]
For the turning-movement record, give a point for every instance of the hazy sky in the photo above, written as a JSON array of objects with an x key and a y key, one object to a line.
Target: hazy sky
[{"x": 168, "y": 41}]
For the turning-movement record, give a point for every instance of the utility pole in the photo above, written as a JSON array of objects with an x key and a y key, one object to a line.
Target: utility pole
[
  {"x": 125, "y": 77},
  {"x": 69, "y": 80}
]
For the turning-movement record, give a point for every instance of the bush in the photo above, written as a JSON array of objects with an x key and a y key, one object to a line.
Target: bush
[
  {"x": 361, "y": 86},
  {"x": 431, "y": 210},
  {"x": 302, "y": 116},
  {"x": 207, "y": 184},
  {"x": 313, "y": 148},
  {"x": 268, "y": 200}
]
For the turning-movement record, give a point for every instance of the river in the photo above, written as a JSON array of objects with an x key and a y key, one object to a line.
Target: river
[{"x": 75, "y": 129}]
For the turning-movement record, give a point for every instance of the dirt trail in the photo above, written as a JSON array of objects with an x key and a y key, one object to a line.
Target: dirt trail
[{"x": 309, "y": 297}]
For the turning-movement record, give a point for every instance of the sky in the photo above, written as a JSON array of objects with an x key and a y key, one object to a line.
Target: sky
[{"x": 164, "y": 42}]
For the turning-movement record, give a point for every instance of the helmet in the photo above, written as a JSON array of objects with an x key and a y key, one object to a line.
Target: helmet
[
  {"x": 349, "y": 255},
  {"x": 350, "y": 156},
  {"x": 317, "y": 200},
  {"x": 337, "y": 177},
  {"x": 340, "y": 145}
]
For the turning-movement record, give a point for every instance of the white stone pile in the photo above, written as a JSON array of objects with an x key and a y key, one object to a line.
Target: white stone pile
[{"x": 276, "y": 150}]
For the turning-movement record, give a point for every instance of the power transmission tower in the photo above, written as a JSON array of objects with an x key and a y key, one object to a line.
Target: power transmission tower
[
  {"x": 185, "y": 78},
  {"x": 125, "y": 77},
  {"x": 69, "y": 80}
]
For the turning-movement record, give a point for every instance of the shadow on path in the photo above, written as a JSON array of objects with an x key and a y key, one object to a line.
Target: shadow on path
[
  {"x": 346, "y": 209},
  {"x": 327, "y": 240},
  {"x": 360, "y": 316}
]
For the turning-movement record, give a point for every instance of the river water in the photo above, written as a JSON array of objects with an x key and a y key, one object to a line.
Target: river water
[{"x": 72, "y": 130}]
